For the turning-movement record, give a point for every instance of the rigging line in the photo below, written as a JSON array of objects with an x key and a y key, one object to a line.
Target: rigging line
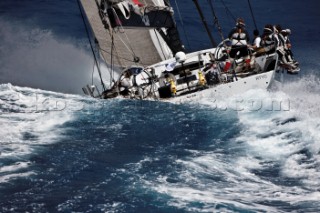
[
  {"x": 88, "y": 35},
  {"x": 155, "y": 31},
  {"x": 228, "y": 11},
  {"x": 254, "y": 20},
  {"x": 111, "y": 36},
  {"x": 115, "y": 49},
  {"x": 204, "y": 23},
  {"x": 181, "y": 21},
  {"x": 118, "y": 56},
  {"x": 121, "y": 27},
  {"x": 112, "y": 70},
  {"x": 110, "y": 73},
  {"x": 215, "y": 20},
  {"x": 129, "y": 48},
  {"x": 92, "y": 74}
]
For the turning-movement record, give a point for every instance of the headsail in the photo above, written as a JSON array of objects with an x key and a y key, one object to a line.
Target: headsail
[{"x": 132, "y": 32}]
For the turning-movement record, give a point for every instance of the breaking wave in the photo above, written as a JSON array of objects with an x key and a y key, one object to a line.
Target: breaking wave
[
  {"x": 270, "y": 165},
  {"x": 29, "y": 119},
  {"x": 257, "y": 152}
]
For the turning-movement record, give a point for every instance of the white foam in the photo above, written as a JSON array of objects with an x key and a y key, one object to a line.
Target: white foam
[
  {"x": 27, "y": 122},
  {"x": 10, "y": 172},
  {"x": 15, "y": 167},
  {"x": 9, "y": 177},
  {"x": 185, "y": 195},
  {"x": 281, "y": 136},
  {"x": 283, "y": 133},
  {"x": 304, "y": 95},
  {"x": 212, "y": 179}
]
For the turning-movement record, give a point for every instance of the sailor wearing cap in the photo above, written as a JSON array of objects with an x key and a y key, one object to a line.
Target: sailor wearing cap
[
  {"x": 287, "y": 45},
  {"x": 239, "y": 39},
  {"x": 285, "y": 33},
  {"x": 269, "y": 41}
]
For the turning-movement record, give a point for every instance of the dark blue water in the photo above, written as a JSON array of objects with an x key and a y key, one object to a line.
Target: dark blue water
[{"x": 69, "y": 153}]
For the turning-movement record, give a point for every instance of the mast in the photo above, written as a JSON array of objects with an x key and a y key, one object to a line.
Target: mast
[{"x": 205, "y": 23}]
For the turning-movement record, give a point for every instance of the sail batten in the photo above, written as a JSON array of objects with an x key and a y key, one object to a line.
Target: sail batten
[{"x": 129, "y": 43}]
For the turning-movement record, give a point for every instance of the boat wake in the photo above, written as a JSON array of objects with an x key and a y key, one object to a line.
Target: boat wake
[
  {"x": 30, "y": 119},
  {"x": 271, "y": 164},
  {"x": 258, "y": 152}
]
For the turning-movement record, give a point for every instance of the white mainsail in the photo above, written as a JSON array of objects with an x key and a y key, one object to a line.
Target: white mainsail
[{"x": 131, "y": 46}]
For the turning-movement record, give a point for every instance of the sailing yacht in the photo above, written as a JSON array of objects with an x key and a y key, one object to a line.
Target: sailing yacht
[{"x": 139, "y": 41}]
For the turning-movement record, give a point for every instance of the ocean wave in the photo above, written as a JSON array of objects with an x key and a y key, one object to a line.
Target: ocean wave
[{"x": 30, "y": 118}]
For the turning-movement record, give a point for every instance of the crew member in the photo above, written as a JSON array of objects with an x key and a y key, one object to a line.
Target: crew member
[
  {"x": 256, "y": 40},
  {"x": 239, "y": 39},
  {"x": 287, "y": 44},
  {"x": 269, "y": 41}
]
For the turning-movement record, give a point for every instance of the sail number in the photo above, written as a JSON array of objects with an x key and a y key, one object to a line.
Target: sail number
[{"x": 261, "y": 77}]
